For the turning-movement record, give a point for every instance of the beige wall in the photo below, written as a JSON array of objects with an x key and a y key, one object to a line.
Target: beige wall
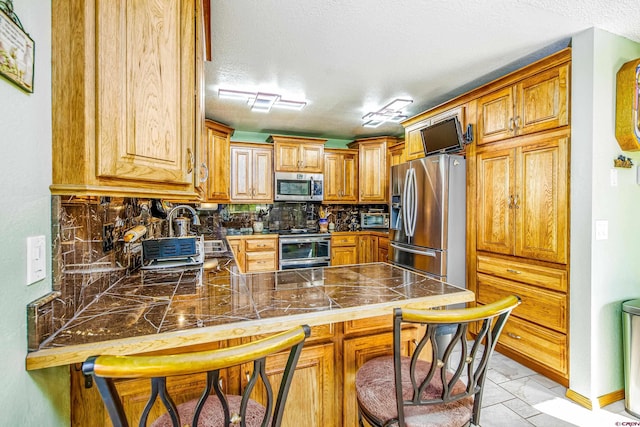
[
  {"x": 38, "y": 398},
  {"x": 604, "y": 273}
]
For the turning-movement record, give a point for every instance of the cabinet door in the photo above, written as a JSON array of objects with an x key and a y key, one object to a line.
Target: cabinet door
[
  {"x": 287, "y": 157},
  {"x": 349, "y": 178},
  {"x": 145, "y": 75},
  {"x": 541, "y": 200},
  {"x": 495, "y": 116},
  {"x": 368, "y": 249},
  {"x": 373, "y": 172},
  {"x": 241, "y": 173},
  {"x": 413, "y": 144},
  {"x": 495, "y": 185},
  {"x": 262, "y": 180},
  {"x": 542, "y": 101},
  {"x": 332, "y": 176},
  {"x": 344, "y": 255},
  {"x": 312, "y": 158},
  {"x": 216, "y": 163},
  {"x": 311, "y": 401}
]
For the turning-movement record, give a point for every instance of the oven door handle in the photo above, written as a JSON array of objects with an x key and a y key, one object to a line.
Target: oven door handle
[{"x": 284, "y": 241}]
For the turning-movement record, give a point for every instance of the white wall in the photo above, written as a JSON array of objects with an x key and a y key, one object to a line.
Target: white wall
[
  {"x": 604, "y": 273},
  {"x": 39, "y": 398}
]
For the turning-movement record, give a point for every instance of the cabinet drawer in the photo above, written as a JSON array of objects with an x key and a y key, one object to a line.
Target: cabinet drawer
[
  {"x": 543, "y": 307},
  {"x": 260, "y": 244},
  {"x": 369, "y": 324},
  {"x": 537, "y": 275},
  {"x": 542, "y": 345},
  {"x": 346, "y": 240},
  {"x": 261, "y": 261}
]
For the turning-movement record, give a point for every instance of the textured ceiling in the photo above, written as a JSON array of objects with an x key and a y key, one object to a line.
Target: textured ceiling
[{"x": 346, "y": 58}]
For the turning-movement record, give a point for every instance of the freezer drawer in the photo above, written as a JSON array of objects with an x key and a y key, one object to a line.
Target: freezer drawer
[{"x": 430, "y": 261}]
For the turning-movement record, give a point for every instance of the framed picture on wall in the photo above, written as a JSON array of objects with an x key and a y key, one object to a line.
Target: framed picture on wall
[{"x": 17, "y": 52}]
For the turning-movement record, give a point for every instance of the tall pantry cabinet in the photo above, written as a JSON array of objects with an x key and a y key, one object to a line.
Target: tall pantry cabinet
[
  {"x": 521, "y": 210},
  {"x": 126, "y": 97}
]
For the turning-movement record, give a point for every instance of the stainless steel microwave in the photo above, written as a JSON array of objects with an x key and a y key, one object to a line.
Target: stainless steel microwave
[
  {"x": 298, "y": 187},
  {"x": 374, "y": 220}
]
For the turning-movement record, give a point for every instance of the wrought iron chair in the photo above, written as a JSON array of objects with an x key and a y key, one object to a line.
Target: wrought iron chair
[
  {"x": 215, "y": 409},
  {"x": 445, "y": 393}
]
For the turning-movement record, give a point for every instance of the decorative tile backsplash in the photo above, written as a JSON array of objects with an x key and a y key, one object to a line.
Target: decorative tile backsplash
[{"x": 89, "y": 253}]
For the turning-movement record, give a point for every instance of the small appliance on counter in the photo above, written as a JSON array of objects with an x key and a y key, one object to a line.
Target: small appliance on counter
[
  {"x": 171, "y": 252},
  {"x": 374, "y": 219}
]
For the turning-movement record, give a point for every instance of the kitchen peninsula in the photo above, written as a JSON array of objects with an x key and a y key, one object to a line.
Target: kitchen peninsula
[{"x": 348, "y": 307}]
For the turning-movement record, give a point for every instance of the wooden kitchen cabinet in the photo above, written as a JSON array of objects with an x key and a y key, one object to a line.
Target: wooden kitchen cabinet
[
  {"x": 255, "y": 253},
  {"x": 132, "y": 124},
  {"x": 522, "y": 199},
  {"x": 367, "y": 248},
  {"x": 383, "y": 249},
  {"x": 414, "y": 148},
  {"x": 251, "y": 173},
  {"x": 534, "y": 104},
  {"x": 340, "y": 176},
  {"x": 311, "y": 400},
  {"x": 294, "y": 154},
  {"x": 397, "y": 154},
  {"x": 344, "y": 248},
  {"x": 215, "y": 166},
  {"x": 372, "y": 168}
]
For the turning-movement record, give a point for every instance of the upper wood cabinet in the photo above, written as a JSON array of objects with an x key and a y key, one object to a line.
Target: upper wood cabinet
[
  {"x": 522, "y": 200},
  {"x": 293, "y": 154},
  {"x": 251, "y": 173},
  {"x": 397, "y": 154},
  {"x": 126, "y": 97},
  {"x": 215, "y": 166},
  {"x": 372, "y": 168},
  {"x": 414, "y": 148},
  {"x": 536, "y": 103},
  {"x": 340, "y": 175}
]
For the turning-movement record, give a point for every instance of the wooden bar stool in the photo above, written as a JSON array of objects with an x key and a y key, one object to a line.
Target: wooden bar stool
[
  {"x": 434, "y": 385},
  {"x": 212, "y": 409}
]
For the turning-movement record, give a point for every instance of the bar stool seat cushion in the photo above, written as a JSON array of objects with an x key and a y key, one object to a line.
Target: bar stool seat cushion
[
  {"x": 212, "y": 414},
  {"x": 375, "y": 388}
]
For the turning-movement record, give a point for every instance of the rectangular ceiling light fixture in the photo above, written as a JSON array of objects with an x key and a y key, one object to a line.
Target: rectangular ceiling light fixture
[
  {"x": 261, "y": 101},
  {"x": 392, "y": 112}
]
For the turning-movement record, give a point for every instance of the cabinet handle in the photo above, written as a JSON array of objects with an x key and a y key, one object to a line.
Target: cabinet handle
[
  {"x": 511, "y": 125},
  {"x": 190, "y": 161},
  {"x": 517, "y": 122},
  {"x": 510, "y": 270},
  {"x": 247, "y": 376},
  {"x": 205, "y": 175},
  {"x": 516, "y": 202},
  {"x": 514, "y": 336},
  {"x": 261, "y": 246},
  {"x": 510, "y": 202}
]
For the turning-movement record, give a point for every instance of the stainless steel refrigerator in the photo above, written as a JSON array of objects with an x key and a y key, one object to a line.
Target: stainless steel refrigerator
[{"x": 428, "y": 211}]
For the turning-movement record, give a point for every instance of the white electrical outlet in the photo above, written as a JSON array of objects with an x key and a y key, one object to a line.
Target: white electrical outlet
[{"x": 36, "y": 259}]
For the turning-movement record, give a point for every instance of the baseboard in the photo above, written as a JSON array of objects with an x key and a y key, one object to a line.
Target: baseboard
[
  {"x": 602, "y": 401},
  {"x": 579, "y": 399},
  {"x": 610, "y": 398}
]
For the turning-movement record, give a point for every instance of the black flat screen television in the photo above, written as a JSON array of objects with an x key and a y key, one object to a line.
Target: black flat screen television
[{"x": 442, "y": 137}]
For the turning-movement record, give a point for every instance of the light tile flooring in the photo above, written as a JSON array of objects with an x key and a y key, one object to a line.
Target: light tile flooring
[{"x": 514, "y": 396}]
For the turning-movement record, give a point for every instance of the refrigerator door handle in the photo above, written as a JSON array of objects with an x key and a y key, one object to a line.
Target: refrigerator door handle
[
  {"x": 405, "y": 202},
  {"x": 414, "y": 251},
  {"x": 414, "y": 189}
]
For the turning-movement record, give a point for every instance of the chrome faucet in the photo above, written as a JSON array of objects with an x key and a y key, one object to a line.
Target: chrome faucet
[{"x": 194, "y": 219}]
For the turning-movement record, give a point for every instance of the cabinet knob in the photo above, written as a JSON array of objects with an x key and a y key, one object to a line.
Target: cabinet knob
[{"x": 514, "y": 336}]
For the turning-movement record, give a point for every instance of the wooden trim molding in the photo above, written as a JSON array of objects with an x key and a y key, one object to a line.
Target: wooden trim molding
[{"x": 604, "y": 400}]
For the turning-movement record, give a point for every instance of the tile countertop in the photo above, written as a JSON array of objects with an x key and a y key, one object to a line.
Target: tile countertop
[{"x": 161, "y": 309}]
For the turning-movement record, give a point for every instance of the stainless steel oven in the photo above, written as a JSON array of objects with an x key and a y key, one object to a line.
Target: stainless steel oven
[{"x": 304, "y": 250}]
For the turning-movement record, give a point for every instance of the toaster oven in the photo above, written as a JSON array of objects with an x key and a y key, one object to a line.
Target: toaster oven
[{"x": 374, "y": 220}]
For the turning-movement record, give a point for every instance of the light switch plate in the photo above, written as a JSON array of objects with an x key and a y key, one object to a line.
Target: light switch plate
[
  {"x": 602, "y": 230},
  {"x": 36, "y": 259}
]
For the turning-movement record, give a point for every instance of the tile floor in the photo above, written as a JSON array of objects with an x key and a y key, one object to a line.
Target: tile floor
[{"x": 517, "y": 396}]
